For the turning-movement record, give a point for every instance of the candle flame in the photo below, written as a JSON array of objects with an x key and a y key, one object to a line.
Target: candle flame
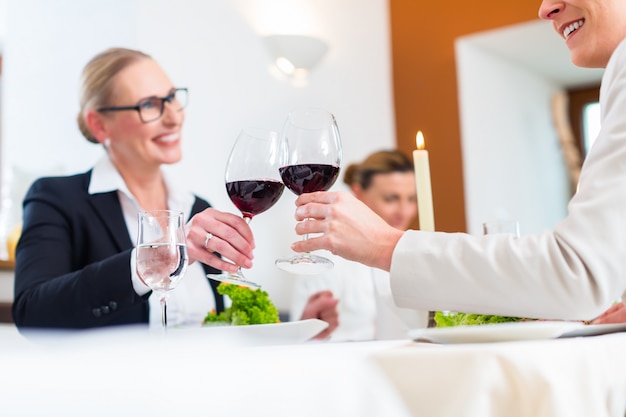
[{"x": 419, "y": 140}]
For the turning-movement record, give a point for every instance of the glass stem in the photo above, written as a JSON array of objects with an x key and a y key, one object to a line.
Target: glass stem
[
  {"x": 304, "y": 238},
  {"x": 247, "y": 220},
  {"x": 163, "y": 312}
]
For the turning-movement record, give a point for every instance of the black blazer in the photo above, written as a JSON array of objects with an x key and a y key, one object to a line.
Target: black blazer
[{"x": 73, "y": 259}]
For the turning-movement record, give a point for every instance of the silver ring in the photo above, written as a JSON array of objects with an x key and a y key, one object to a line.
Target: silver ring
[{"x": 208, "y": 237}]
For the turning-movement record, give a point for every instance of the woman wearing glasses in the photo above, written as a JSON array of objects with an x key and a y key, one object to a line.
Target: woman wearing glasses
[{"x": 75, "y": 257}]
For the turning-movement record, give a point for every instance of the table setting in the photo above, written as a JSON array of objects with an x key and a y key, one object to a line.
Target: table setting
[
  {"x": 281, "y": 371},
  {"x": 244, "y": 362}
]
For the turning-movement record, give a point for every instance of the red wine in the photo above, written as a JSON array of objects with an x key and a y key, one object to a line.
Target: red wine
[
  {"x": 308, "y": 178},
  {"x": 253, "y": 197}
]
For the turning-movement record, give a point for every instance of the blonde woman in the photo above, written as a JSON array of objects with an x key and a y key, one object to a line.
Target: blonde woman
[{"x": 75, "y": 258}]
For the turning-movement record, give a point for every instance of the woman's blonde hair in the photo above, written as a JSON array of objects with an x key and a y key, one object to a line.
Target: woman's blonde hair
[
  {"x": 381, "y": 162},
  {"x": 96, "y": 85}
]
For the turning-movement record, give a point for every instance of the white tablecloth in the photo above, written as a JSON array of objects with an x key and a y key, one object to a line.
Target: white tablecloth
[
  {"x": 127, "y": 373},
  {"x": 546, "y": 378}
]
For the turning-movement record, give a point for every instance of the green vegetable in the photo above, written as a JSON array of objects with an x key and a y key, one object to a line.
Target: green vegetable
[
  {"x": 248, "y": 307},
  {"x": 449, "y": 319}
]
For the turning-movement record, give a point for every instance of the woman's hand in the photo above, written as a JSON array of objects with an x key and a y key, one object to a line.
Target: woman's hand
[
  {"x": 322, "y": 305},
  {"x": 212, "y": 231},
  {"x": 348, "y": 228},
  {"x": 615, "y": 314}
]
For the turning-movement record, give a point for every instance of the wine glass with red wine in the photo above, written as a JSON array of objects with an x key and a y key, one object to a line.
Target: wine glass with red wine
[
  {"x": 252, "y": 182},
  {"x": 311, "y": 141}
]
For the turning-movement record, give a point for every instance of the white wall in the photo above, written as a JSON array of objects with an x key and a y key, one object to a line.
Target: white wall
[
  {"x": 3, "y": 210},
  {"x": 512, "y": 162},
  {"x": 214, "y": 48}
]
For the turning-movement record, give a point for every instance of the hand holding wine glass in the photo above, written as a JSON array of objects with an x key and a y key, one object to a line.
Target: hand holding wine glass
[
  {"x": 161, "y": 253},
  {"x": 311, "y": 141},
  {"x": 252, "y": 182}
]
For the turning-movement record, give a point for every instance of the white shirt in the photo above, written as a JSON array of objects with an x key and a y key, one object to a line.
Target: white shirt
[
  {"x": 366, "y": 308},
  {"x": 574, "y": 272},
  {"x": 193, "y": 298}
]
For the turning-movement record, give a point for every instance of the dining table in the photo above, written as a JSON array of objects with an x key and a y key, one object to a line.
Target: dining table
[{"x": 133, "y": 372}]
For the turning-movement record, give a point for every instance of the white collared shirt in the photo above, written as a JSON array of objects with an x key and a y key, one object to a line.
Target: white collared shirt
[
  {"x": 189, "y": 303},
  {"x": 366, "y": 308}
]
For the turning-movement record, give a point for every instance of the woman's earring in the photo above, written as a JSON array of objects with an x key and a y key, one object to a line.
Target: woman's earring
[{"x": 106, "y": 143}]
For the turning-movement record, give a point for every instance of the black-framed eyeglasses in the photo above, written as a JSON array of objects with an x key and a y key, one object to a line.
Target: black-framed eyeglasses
[{"x": 151, "y": 108}]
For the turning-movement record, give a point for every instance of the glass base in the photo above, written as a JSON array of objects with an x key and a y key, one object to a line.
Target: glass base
[
  {"x": 305, "y": 264},
  {"x": 234, "y": 278}
]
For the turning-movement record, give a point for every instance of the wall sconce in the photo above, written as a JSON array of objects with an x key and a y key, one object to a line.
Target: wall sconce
[{"x": 295, "y": 55}]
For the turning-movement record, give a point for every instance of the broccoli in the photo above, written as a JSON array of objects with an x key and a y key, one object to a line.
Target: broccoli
[
  {"x": 449, "y": 319},
  {"x": 248, "y": 307}
]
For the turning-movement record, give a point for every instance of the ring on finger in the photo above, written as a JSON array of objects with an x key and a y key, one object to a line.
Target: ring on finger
[{"x": 208, "y": 237}]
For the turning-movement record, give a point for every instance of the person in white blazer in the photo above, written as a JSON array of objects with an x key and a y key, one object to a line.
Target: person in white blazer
[
  {"x": 574, "y": 272},
  {"x": 385, "y": 182}
]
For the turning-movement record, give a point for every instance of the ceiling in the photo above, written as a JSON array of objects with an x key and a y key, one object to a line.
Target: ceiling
[{"x": 536, "y": 46}]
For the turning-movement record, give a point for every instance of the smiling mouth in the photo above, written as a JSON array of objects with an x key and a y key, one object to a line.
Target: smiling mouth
[
  {"x": 167, "y": 138},
  {"x": 572, "y": 27}
]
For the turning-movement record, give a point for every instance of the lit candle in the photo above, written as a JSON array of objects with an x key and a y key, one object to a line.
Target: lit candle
[{"x": 422, "y": 185}]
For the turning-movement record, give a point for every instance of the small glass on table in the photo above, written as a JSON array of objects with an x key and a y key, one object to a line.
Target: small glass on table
[
  {"x": 501, "y": 226},
  {"x": 161, "y": 253}
]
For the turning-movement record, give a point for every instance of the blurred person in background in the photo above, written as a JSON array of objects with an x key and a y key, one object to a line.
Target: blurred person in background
[{"x": 385, "y": 182}]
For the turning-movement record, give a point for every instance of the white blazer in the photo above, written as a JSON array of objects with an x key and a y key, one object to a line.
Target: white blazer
[{"x": 574, "y": 272}]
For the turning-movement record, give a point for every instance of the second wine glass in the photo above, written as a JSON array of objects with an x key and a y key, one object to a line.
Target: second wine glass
[
  {"x": 252, "y": 182},
  {"x": 311, "y": 141}
]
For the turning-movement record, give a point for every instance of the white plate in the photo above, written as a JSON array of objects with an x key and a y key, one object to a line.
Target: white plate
[
  {"x": 218, "y": 336},
  {"x": 497, "y": 332},
  {"x": 595, "y": 330},
  {"x": 291, "y": 332}
]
